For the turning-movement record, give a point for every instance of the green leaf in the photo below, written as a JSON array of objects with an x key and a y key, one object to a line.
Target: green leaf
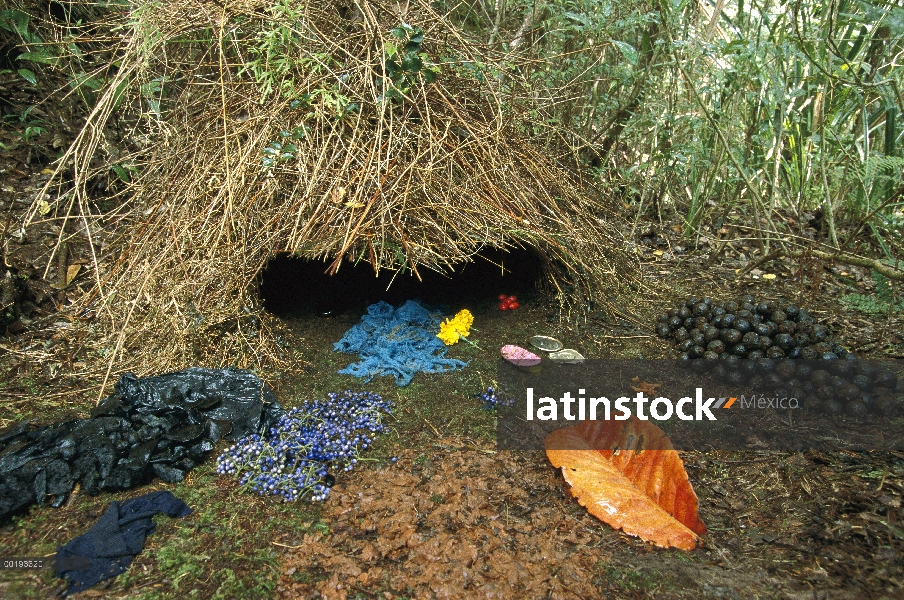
[
  {"x": 413, "y": 46},
  {"x": 399, "y": 32},
  {"x": 858, "y": 43},
  {"x": 16, "y": 21},
  {"x": 121, "y": 173},
  {"x": 83, "y": 79},
  {"x": 39, "y": 57},
  {"x": 28, "y": 76},
  {"x": 412, "y": 63},
  {"x": 33, "y": 131},
  {"x": 582, "y": 19},
  {"x": 151, "y": 88},
  {"x": 120, "y": 92},
  {"x": 627, "y": 51},
  {"x": 17, "y": 18},
  {"x": 391, "y": 50},
  {"x": 429, "y": 75}
]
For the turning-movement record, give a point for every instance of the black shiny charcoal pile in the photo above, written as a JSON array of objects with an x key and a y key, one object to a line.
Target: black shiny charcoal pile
[
  {"x": 746, "y": 328},
  {"x": 163, "y": 425},
  {"x": 823, "y": 376}
]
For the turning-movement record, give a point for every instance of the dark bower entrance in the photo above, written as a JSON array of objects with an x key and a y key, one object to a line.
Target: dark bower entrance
[{"x": 291, "y": 286}]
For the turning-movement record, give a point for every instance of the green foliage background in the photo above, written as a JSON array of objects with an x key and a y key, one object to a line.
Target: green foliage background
[{"x": 763, "y": 109}]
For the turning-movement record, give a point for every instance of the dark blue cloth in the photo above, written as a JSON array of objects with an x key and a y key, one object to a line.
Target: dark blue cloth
[{"x": 116, "y": 538}]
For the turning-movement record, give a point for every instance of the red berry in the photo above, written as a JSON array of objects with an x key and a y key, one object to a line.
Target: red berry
[
  {"x": 503, "y": 306},
  {"x": 502, "y": 297},
  {"x": 512, "y": 299},
  {"x": 513, "y": 305}
]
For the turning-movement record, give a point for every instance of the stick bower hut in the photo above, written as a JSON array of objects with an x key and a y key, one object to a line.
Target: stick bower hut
[{"x": 341, "y": 130}]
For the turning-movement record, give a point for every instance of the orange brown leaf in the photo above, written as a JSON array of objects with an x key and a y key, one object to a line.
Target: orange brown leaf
[
  {"x": 650, "y": 389},
  {"x": 628, "y": 474}
]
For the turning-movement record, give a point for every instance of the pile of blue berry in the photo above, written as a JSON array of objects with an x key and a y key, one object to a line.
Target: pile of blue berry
[
  {"x": 492, "y": 399},
  {"x": 295, "y": 457}
]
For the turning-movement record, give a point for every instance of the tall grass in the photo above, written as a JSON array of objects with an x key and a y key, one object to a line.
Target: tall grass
[{"x": 781, "y": 113}]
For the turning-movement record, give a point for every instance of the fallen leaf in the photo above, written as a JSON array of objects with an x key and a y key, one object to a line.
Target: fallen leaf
[
  {"x": 72, "y": 273},
  {"x": 43, "y": 207},
  {"x": 657, "y": 252},
  {"x": 645, "y": 492},
  {"x": 769, "y": 276},
  {"x": 354, "y": 204},
  {"x": 338, "y": 194},
  {"x": 645, "y": 387}
]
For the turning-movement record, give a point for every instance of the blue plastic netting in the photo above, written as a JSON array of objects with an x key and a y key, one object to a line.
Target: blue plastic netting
[{"x": 398, "y": 342}]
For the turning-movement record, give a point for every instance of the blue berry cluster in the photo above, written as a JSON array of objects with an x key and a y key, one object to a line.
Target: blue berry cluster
[
  {"x": 294, "y": 458},
  {"x": 491, "y": 399}
]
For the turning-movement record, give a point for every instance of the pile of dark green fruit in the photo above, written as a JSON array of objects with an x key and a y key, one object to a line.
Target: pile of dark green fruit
[
  {"x": 746, "y": 328},
  {"x": 826, "y": 377}
]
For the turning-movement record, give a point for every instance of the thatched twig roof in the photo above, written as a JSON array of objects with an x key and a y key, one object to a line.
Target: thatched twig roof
[{"x": 271, "y": 127}]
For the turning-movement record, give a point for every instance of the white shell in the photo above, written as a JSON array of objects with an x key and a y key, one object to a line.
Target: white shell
[
  {"x": 545, "y": 343},
  {"x": 567, "y": 356}
]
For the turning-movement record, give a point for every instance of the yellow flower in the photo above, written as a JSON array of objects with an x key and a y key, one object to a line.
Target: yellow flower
[
  {"x": 450, "y": 331},
  {"x": 463, "y": 321},
  {"x": 447, "y": 333}
]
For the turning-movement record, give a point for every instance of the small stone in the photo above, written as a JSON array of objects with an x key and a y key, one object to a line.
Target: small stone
[{"x": 890, "y": 501}]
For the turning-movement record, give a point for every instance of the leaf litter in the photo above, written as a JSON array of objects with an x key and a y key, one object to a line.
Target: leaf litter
[
  {"x": 466, "y": 522},
  {"x": 461, "y": 524}
]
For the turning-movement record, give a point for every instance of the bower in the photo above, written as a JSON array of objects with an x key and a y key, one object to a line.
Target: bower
[{"x": 291, "y": 286}]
